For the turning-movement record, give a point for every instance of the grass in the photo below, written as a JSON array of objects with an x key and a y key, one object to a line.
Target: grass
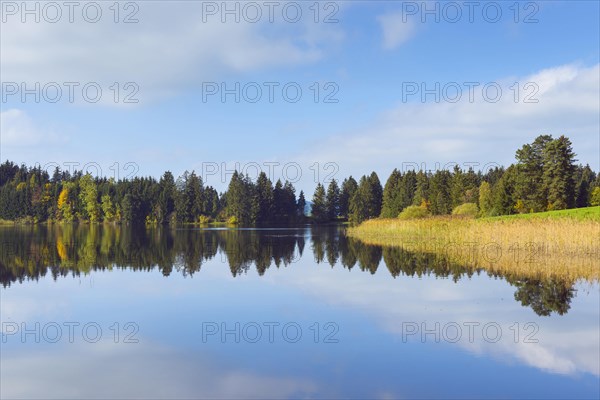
[
  {"x": 587, "y": 213},
  {"x": 562, "y": 244}
]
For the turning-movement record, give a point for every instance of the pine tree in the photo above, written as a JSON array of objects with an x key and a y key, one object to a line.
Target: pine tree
[
  {"x": 333, "y": 200},
  {"x": 422, "y": 189},
  {"x": 264, "y": 199},
  {"x": 457, "y": 190},
  {"x": 441, "y": 198},
  {"x": 301, "y": 205},
  {"x": 319, "y": 204},
  {"x": 530, "y": 168},
  {"x": 349, "y": 187},
  {"x": 392, "y": 195},
  {"x": 166, "y": 197},
  {"x": 360, "y": 203},
  {"x": 503, "y": 193},
  {"x": 408, "y": 187},
  {"x": 289, "y": 202},
  {"x": 559, "y": 168},
  {"x": 585, "y": 178},
  {"x": 376, "y": 195}
]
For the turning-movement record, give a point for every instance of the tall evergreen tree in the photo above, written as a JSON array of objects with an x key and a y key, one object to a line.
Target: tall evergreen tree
[
  {"x": 349, "y": 187},
  {"x": 408, "y": 187},
  {"x": 392, "y": 195},
  {"x": 422, "y": 189},
  {"x": 301, "y": 205},
  {"x": 333, "y": 200},
  {"x": 376, "y": 195},
  {"x": 319, "y": 204},
  {"x": 361, "y": 203},
  {"x": 289, "y": 202},
  {"x": 457, "y": 189},
  {"x": 530, "y": 168},
  {"x": 558, "y": 178},
  {"x": 440, "y": 192},
  {"x": 585, "y": 178},
  {"x": 264, "y": 199}
]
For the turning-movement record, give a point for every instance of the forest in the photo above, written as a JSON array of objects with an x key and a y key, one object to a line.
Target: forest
[{"x": 544, "y": 177}]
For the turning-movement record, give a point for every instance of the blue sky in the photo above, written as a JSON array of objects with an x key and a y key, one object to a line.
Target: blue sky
[{"x": 370, "y": 58}]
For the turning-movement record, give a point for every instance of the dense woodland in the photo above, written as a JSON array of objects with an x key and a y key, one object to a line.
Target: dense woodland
[{"x": 544, "y": 177}]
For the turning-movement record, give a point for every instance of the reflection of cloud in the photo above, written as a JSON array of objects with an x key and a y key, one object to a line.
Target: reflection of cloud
[
  {"x": 26, "y": 309},
  {"x": 565, "y": 345},
  {"x": 109, "y": 370}
]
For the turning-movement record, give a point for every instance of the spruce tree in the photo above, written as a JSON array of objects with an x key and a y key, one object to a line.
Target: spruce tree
[
  {"x": 319, "y": 204},
  {"x": 559, "y": 168},
  {"x": 349, "y": 187},
  {"x": 392, "y": 195},
  {"x": 333, "y": 200}
]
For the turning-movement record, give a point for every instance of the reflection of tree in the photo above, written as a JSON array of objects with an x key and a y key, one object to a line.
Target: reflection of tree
[
  {"x": 545, "y": 297},
  {"x": 32, "y": 252}
]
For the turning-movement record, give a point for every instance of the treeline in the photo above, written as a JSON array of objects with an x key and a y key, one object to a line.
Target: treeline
[
  {"x": 31, "y": 195},
  {"x": 545, "y": 177}
]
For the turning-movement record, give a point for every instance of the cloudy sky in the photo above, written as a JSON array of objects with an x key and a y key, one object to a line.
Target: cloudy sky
[{"x": 302, "y": 90}]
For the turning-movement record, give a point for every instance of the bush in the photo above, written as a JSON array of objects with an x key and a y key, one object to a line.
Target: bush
[
  {"x": 414, "y": 212},
  {"x": 466, "y": 210},
  {"x": 203, "y": 220},
  {"x": 595, "y": 201},
  {"x": 232, "y": 220}
]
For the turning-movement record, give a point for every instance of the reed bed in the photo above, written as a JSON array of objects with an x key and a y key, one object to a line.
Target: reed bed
[{"x": 534, "y": 248}]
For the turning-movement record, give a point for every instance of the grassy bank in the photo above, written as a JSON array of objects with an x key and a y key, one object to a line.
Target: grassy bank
[
  {"x": 582, "y": 214},
  {"x": 560, "y": 244}
]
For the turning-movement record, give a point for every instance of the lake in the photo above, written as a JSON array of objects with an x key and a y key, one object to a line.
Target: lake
[{"x": 299, "y": 312}]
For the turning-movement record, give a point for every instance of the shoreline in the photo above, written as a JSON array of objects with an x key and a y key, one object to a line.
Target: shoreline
[{"x": 553, "y": 247}]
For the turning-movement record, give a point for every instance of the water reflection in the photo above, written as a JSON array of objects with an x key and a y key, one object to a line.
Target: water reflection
[{"x": 29, "y": 253}]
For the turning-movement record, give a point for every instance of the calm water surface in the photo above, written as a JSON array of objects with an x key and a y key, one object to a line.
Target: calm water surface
[{"x": 100, "y": 312}]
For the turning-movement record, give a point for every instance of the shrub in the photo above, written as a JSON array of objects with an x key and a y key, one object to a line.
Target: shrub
[
  {"x": 203, "y": 220},
  {"x": 232, "y": 220},
  {"x": 595, "y": 201},
  {"x": 466, "y": 210},
  {"x": 414, "y": 212}
]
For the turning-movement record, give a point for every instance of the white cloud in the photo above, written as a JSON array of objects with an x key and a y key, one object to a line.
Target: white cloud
[
  {"x": 171, "y": 48},
  {"x": 396, "y": 29},
  {"x": 17, "y": 129},
  {"x": 474, "y": 131}
]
